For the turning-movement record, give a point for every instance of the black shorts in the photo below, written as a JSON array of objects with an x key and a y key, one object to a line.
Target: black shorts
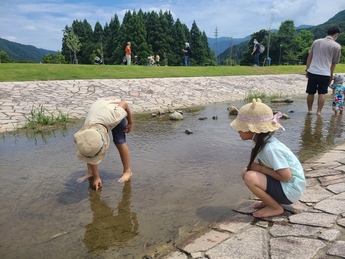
[
  {"x": 119, "y": 136},
  {"x": 317, "y": 83},
  {"x": 275, "y": 190}
]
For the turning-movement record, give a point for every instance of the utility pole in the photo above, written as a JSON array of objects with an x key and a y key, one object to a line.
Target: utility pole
[
  {"x": 230, "y": 51},
  {"x": 269, "y": 35},
  {"x": 216, "y": 43}
]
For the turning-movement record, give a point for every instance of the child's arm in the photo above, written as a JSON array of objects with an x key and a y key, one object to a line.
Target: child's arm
[
  {"x": 282, "y": 175},
  {"x": 129, "y": 117}
]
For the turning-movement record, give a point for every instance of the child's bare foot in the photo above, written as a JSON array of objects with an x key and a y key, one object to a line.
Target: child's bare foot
[
  {"x": 82, "y": 179},
  {"x": 125, "y": 177},
  {"x": 260, "y": 205},
  {"x": 268, "y": 212}
]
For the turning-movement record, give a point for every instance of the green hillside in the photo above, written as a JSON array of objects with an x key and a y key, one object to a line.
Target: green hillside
[{"x": 23, "y": 53}]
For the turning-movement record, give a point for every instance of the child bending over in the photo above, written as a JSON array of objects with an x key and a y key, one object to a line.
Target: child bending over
[{"x": 92, "y": 139}]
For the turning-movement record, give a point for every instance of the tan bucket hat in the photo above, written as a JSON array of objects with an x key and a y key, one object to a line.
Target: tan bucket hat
[{"x": 92, "y": 142}]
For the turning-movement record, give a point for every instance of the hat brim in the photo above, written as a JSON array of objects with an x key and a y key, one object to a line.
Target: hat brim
[
  {"x": 97, "y": 159},
  {"x": 257, "y": 127}
]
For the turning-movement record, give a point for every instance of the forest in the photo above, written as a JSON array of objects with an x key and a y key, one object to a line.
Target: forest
[
  {"x": 150, "y": 33},
  {"x": 285, "y": 45}
]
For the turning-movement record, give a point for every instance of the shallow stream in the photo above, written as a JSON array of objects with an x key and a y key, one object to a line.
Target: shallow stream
[{"x": 180, "y": 183}]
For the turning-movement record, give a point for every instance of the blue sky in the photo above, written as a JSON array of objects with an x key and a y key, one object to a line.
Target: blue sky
[{"x": 40, "y": 22}]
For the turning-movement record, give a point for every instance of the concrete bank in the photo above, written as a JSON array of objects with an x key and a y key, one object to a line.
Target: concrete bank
[{"x": 144, "y": 95}]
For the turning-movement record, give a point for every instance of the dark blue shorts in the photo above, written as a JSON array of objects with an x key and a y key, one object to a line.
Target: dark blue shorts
[
  {"x": 275, "y": 190},
  {"x": 317, "y": 83},
  {"x": 119, "y": 137}
]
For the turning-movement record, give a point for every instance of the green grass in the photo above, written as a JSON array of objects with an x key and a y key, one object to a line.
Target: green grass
[
  {"x": 11, "y": 72},
  {"x": 42, "y": 117}
]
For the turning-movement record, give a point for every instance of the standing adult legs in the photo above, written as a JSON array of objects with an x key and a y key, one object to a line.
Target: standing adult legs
[
  {"x": 310, "y": 101},
  {"x": 320, "y": 103}
]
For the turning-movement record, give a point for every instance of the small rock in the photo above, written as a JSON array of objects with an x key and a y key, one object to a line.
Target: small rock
[
  {"x": 285, "y": 116},
  {"x": 188, "y": 131},
  {"x": 153, "y": 115},
  {"x": 176, "y": 116},
  {"x": 232, "y": 110},
  {"x": 280, "y": 100}
]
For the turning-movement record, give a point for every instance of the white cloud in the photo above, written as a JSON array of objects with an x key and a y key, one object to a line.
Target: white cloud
[
  {"x": 30, "y": 28},
  {"x": 40, "y": 22}
]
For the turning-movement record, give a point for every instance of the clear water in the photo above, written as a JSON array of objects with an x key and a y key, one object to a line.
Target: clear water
[{"x": 180, "y": 183}]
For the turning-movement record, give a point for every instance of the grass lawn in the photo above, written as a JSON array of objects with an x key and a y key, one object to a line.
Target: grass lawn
[{"x": 11, "y": 72}]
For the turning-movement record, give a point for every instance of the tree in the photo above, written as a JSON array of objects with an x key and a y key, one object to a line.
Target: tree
[
  {"x": 197, "y": 45},
  {"x": 4, "y": 58},
  {"x": 98, "y": 38},
  {"x": 72, "y": 43},
  {"x": 286, "y": 37},
  {"x": 54, "y": 59},
  {"x": 304, "y": 40},
  {"x": 111, "y": 33}
]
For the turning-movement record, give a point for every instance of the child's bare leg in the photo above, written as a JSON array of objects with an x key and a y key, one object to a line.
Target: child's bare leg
[
  {"x": 335, "y": 111},
  {"x": 257, "y": 184},
  {"x": 126, "y": 160},
  {"x": 88, "y": 174},
  {"x": 259, "y": 205}
]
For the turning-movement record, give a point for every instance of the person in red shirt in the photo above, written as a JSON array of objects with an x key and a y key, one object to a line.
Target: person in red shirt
[{"x": 128, "y": 53}]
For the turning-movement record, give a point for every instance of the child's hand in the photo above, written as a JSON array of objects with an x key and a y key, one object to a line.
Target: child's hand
[
  {"x": 256, "y": 167},
  {"x": 128, "y": 128},
  {"x": 97, "y": 183}
]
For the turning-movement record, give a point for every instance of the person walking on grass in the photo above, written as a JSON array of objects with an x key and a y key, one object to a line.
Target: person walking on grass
[
  {"x": 323, "y": 56},
  {"x": 128, "y": 53},
  {"x": 256, "y": 53}
]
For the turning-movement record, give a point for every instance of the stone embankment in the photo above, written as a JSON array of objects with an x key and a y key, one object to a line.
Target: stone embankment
[{"x": 74, "y": 97}]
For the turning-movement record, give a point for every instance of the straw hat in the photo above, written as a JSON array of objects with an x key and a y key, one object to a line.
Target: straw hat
[
  {"x": 256, "y": 117},
  {"x": 338, "y": 79},
  {"x": 92, "y": 142}
]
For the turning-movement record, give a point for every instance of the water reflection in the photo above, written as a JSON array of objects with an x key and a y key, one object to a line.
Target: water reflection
[
  {"x": 335, "y": 129},
  {"x": 110, "y": 227},
  {"x": 318, "y": 135}
]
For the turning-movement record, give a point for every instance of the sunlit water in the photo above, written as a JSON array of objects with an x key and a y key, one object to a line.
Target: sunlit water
[{"x": 180, "y": 182}]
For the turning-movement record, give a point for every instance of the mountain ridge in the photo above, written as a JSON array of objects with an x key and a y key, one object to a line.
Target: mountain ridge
[{"x": 23, "y": 53}]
